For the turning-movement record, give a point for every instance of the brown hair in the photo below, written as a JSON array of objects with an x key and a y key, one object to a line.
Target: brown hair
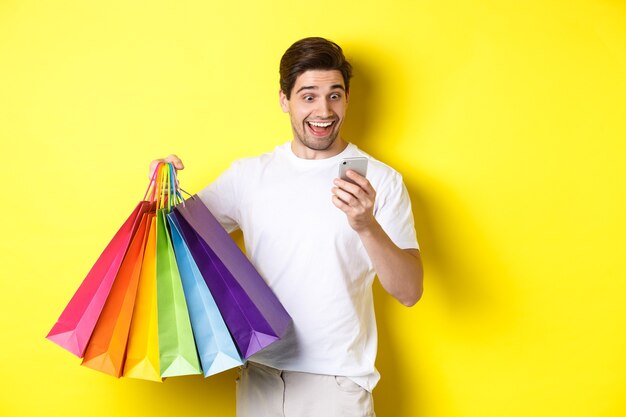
[{"x": 311, "y": 54}]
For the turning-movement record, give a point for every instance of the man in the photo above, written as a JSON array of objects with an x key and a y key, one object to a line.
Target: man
[{"x": 318, "y": 241}]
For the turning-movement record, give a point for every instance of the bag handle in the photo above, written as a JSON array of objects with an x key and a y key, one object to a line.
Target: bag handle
[
  {"x": 175, "y": 186},
  {"x": 170, "y": 194},
  {"x": 164, "y": 188},
  {"x": 149, "y": 195}
]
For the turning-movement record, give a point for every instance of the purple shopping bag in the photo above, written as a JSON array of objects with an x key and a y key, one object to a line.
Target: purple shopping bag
[{"x": 253, "y": 314}]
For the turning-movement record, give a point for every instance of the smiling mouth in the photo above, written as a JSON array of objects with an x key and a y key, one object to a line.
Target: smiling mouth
[
  {"x": 320, "y": 128},
  {"x": 320, "y": 124}
]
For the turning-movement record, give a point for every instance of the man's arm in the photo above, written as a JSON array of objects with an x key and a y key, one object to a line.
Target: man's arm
[{"x": 400, "y": 271}]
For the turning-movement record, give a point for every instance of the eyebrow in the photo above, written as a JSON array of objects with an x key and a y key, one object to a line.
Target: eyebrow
[{"x": 314, "y": 87}]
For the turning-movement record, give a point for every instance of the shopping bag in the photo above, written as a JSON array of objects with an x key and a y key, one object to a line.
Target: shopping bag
[
  {"x": 177, "y": 348},
  {"x": 107, "y": 346},
  {"x": 253, "y": 314},
  {"x": 77, "y": 321},
  {"x": 142, "y": 354},
  {"x": 216, "y": 347}
]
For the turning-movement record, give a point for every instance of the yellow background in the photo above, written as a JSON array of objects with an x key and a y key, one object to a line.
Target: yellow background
[{"x": 505, "y": 118}]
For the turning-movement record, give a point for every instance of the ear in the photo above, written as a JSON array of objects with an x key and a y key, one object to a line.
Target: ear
[{"x": 284, "y": 101}]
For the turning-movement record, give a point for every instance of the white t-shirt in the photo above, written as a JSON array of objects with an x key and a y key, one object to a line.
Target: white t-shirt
[{"x": 309, "y": 255}]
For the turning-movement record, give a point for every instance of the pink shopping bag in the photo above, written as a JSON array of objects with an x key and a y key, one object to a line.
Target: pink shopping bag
[{"x": 75, "y": 325}]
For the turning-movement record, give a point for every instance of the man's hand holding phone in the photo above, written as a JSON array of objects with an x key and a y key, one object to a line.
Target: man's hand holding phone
[{"x": 353, "y": 194}]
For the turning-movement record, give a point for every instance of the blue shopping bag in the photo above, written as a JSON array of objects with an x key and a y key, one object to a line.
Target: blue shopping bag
[{"x": 215, "y": 345}]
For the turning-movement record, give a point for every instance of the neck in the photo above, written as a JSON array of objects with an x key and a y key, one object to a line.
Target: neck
[{"x": 303, "y": 152}]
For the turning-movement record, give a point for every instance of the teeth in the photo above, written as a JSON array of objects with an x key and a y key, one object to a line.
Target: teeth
[{"x": 320, "y": 124}]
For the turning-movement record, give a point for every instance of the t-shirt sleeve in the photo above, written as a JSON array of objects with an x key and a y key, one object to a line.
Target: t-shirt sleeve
[
  {"x": 393, "y": 212},
  {"x": 222, "y": 198}
]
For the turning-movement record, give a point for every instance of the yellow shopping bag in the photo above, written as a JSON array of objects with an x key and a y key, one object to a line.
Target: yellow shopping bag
[{"x": 142, "y": 356}]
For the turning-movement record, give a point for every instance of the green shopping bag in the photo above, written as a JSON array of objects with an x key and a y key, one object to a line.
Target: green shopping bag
[{"x": 177, "y": 347}]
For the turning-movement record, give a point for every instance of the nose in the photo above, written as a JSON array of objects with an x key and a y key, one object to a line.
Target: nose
[{"x": 325, "y": 109}]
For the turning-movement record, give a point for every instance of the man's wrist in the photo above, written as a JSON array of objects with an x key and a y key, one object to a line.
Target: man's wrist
[{"x": 370, "y": 231}]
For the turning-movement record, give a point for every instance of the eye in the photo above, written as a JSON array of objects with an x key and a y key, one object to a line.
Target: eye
[
  {"x": 308, "y": 98},
  {"x": 335, "y": 96}
]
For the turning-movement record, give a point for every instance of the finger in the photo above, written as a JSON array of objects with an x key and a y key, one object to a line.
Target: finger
[
  {"x": 348, "y": 186},
  {"x": 356, "y": 190},
  {"x": 172, "y": 159},
  {"x": 153, "y": 166},
  {"x": 354, "y": 212},
  {"x": 346, "y": 197},
  {"x": 349, "y": 209},
  {"x": 340, "y": 204},
  {"x": 360, "y": 180},
  {"x": 176, "y": 161}
]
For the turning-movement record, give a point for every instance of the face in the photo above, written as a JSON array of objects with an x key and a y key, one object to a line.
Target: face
[{"x": 317, "y": 108}]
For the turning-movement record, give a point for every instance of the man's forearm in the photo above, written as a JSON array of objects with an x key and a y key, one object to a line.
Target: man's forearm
[{"x": 400, "y": 271}]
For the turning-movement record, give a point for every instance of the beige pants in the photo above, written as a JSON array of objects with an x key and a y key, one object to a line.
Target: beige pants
[{"x": 267, "y": 392}]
